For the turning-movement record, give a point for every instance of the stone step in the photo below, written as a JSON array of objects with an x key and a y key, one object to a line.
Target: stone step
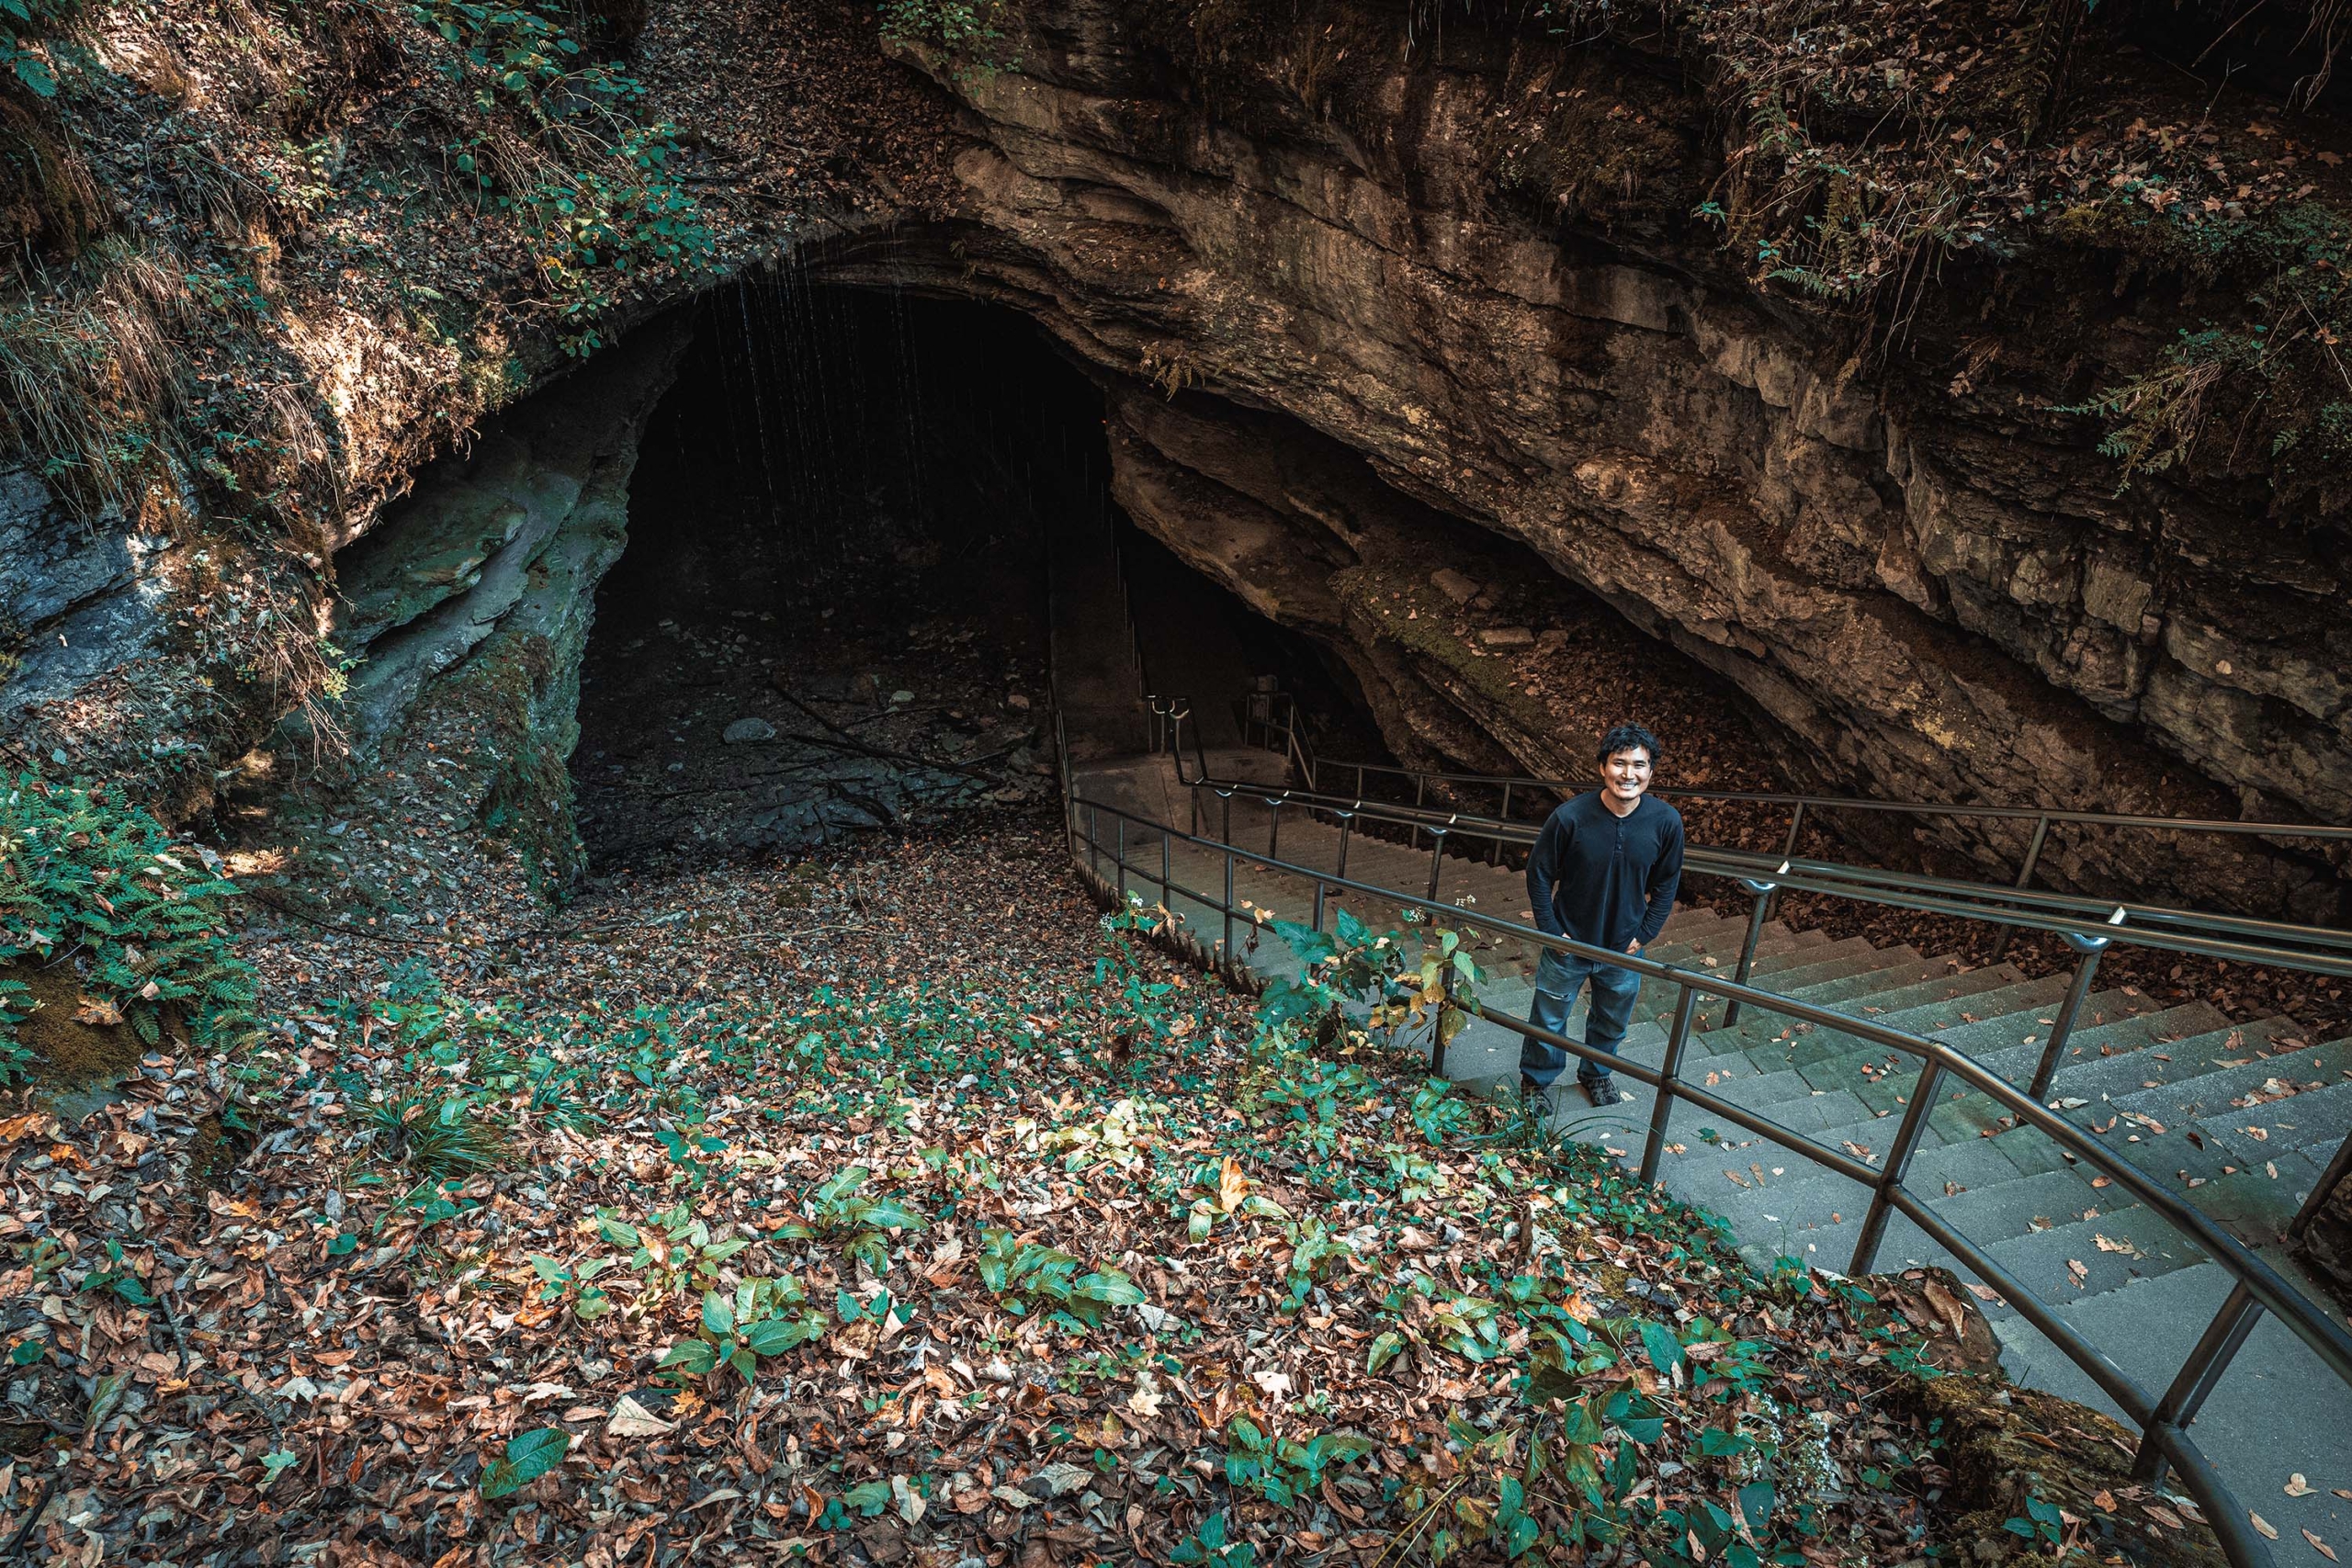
[
  {"x": 2126, "y": 1019},
  {"x": 2112, "y": 1247},
  {"x": 2132, "y": 1030},
  {"x": 2213, "y": 1093},
  {"x": 1789, "y": 969},
  {"x": 1883, "y": 1076},
  {"x": 1938, "y": 1017},
  {"x": 1808, "y": 1043},
  {"x": 1852, "y": 959},
  {"x": 1809, "y": 1196},
  {"x": 2316, "y": 1118},
  {"x": 2276, "y": 1412},
  {"x": 2253, "y": 1203},
  {"x": 2162, "y": 1062},
  {"x": 1843, "y": 993}
]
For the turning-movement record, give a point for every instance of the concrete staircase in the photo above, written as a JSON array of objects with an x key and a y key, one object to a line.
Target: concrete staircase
[{"x": 2240, "y": 1119}]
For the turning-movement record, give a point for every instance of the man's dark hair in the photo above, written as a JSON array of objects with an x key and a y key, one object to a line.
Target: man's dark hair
[{"x": 1625, "y": 737}]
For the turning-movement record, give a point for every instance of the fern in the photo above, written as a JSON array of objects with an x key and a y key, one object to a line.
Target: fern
[
  {"x": 102, "y": 884},
  {"x": 15, "y": 1006}
]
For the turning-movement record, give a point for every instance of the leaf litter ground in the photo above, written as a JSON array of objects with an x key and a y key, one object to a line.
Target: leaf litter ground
[{"x": 897, "y": 1208}]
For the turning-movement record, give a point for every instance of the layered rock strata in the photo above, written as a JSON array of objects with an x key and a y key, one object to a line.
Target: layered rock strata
[{"x": 1926, "y": 591}]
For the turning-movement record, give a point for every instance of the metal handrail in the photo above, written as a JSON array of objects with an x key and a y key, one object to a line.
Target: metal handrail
[
  {"x": 2188, "y": 931},
  {"x": 2162, "y": 1421},
  {"x": 2038, "y": 813},
  {"x": 2088, "y": 939}
]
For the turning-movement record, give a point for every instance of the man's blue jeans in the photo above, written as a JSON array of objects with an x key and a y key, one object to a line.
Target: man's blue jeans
[{"x": 1558, "y": 978}]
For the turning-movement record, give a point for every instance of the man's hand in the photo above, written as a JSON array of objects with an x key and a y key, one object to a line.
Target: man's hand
[{"x": 1634, "y": 948}]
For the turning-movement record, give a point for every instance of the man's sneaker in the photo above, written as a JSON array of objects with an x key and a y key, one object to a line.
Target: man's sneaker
[
  {"x": 1535, "y": 1098},
  {"x": 1604, "y": 1094}
]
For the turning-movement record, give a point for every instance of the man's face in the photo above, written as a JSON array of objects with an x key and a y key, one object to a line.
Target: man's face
[{"x": 1626, "y": 774}]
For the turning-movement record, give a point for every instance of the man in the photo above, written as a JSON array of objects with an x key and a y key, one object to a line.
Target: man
[{"x": 1604, "y": 872}]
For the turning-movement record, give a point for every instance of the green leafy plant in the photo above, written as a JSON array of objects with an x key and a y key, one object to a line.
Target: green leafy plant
[
  {"x": 969, "y": 31},
  {"x": 1025, "y": 1276},
  {"x": 2043, "y": 1524},
  {"x": 1280, "y": 1470},
  {"x": 527, "y": 1457},
  {"x": 672, "y": 1251},
  {"x": 445, "y": 1114},
  {"x": 1220, "y": 1192},
  {"x": 838, "y": 1211},
  {"x": 438, "y": 1136},
  {"x": 1410, "y": 998},
  {"x": 21, "y": 22},
  {"x": 587, "y": 180},
  {"x": 117, "y": 1277},
  {"x": 16, "y": 1005},
  {"x": 1313, "y": 1249},
  {"x": 762, "y": 1317},
  {"x": 1209, "y": 1547},
  {"x": 86, "y": 879},
  {"x": 558, "y": 1281}
]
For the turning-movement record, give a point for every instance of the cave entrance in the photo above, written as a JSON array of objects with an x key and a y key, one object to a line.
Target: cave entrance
[
  {"x": 1201, "y": 642},
  {"x": 863, "y": 526}
]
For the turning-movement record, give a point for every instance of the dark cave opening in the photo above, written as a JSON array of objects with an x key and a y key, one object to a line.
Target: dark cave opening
[
  {"x": 860, "y": 532},
  {"x": 1201, "y": 643}
]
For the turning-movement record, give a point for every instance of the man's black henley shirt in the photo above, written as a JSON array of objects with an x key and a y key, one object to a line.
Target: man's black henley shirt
[{"x": 1606, "y": 879}]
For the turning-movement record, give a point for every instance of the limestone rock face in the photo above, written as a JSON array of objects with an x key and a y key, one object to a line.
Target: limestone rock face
[
  {"x": 1928, "y": 590},
  {"x": 75, "y": 599},
  {"x": 467, "y": 607}
]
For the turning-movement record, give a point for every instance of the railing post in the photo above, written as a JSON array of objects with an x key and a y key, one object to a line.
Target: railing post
[
  {"x": 1347, "y": 829},
  {"x": 1495, "y": 857},
  {"x": 1122, "y": 853},
  {"x": 1788, "y": 855},
  {"x": 2203, "y": 1368},
  {"x": 1225, "y": 826},
  {"x": 1669, "y": 1074},
  {"x": 1166, "y": 887},
  {"x": 1229, "y": 959},
  {"x": 1437, "y": 856},
  {"x": 2025, "y": 874},
  {"x": 2337, "y": 1169},
  {"x": 1274, "y": 828},
  {"x": 1898, "y": 1158},
  {"x": 2091, "y": 947},
  {"x": 1763, "y": 891},
  {"x": 1316, "y": 921},
  {"x": 1094, "y": 840},
  {"x": 1796, "y": 825},
  {"x": 1421, "y": 786}
]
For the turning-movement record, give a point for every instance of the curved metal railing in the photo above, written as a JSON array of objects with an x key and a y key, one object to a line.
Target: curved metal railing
[
  {"x": 2163, "y": 1419},
  {"x": 2088, "y": 926},
  {"x": 2238, "y": 939},
  {"x": 1271, "y": 720},
  {"x": 2042, "y": 816}
]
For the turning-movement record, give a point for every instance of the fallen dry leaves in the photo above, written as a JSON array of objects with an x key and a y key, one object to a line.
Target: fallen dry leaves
[{"x": 1022, "y": 1249}]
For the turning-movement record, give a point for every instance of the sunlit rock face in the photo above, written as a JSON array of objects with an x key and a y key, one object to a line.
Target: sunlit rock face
[{"x": 1920, "y": 573}]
